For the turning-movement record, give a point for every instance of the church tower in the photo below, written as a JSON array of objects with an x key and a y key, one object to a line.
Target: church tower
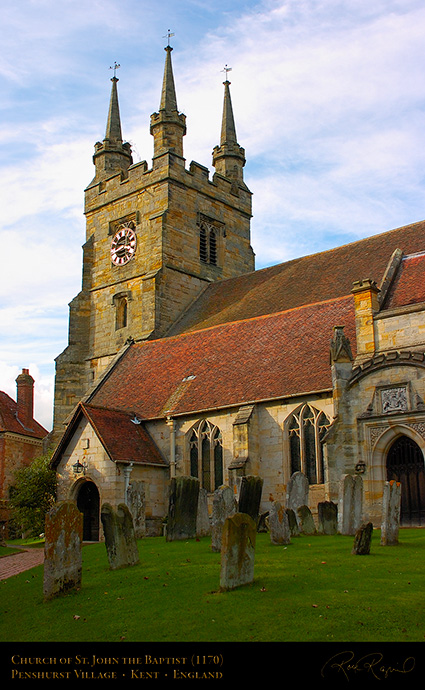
[{"x": 155, "y": 237}]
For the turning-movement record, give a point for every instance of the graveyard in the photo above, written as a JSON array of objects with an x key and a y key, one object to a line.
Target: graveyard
[
  {"x": 284, "y": 577},
  {"x": 313, "y": 589}
]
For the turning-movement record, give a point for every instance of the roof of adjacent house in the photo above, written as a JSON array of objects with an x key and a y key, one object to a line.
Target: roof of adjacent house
[
  {"x": 9, "y": 420},
  {"x": 263, "y": 358},
  {"x": 315, "y": 278},
  {"x": 122, "y": 435}
]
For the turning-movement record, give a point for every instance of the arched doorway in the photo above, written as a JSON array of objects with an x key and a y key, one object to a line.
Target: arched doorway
[
  {"x": 405, "y": 464},
  {"x": 88, "y": 503}
]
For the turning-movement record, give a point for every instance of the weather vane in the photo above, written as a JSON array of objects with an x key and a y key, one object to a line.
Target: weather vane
[
  {"x": 168, "y": 36},
  {"x": 115, "y": 67},
  {"x": 226, "y": 70}
]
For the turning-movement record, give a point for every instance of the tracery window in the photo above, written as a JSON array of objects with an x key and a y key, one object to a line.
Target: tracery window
[
  {"x": 307, "y": 428},
  {"x": 206, "y": 455},
  {"x": 208, "y": 235}
]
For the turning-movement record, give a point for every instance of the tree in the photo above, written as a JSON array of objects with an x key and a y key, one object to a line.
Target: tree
[{"x": 33, "y": 494}]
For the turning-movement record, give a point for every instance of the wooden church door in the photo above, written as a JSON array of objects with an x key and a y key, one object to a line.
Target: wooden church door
[
  {"x": 88, "y": 504},
  {"x": 405, "y": 464}
]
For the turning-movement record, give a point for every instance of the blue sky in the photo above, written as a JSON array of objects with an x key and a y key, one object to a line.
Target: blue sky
[{"x": 329, "y": 102}]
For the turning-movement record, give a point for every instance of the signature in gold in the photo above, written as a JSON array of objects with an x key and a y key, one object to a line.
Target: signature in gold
[{"x": 372, "y": 663}]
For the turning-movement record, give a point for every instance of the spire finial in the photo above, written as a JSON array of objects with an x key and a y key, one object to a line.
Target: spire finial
[
  {"x": 168, "y": 35},
  {"x": 115, "y": 67},
  {"x": 226, "y": 70}
]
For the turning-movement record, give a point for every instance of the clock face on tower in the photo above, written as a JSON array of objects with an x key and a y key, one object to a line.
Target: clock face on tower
[{"x": 123, "y": 246}]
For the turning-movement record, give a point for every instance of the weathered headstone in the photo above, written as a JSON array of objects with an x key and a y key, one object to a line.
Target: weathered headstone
[
  {"x": 362, "y": 540},
  {"x": 120, "y": 540},
  {"x": 305, "y": 520},
  {"x": 223, "y": 506},
  {"x": 182, "y": 508},
  {"x": 63, "y": 536},
  {"x": 391, "y": 504},
  {"x": 293, "y": 523},
  {"x": 250, "y": 496},
  {"x": 203, "y": 524},
  {"x": 237, "y": 551},
  {"x": 297, "y": 492},
  {"x": 328, "y": 517},
  {"x": 136, "y": 504},
  {"x": 350, "y": 511},
  {"x": 279, "y": 524}
]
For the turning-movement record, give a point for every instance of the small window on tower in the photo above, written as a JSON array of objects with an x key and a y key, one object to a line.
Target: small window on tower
[
  {"x": 208, "y": 242},
  {"x": 120, "y": 303}
]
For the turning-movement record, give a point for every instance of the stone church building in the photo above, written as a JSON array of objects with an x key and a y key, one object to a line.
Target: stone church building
[{"x": 184, "y": 360}]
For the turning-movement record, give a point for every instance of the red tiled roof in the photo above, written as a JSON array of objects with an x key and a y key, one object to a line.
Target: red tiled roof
[
  {"x": 10, "y": 422},
  {"x": 315, "y": 278},
  {"x": 264, "y": 358},
  {"x": 409, "y": 284},
  {"x": 123, "y": 439}
]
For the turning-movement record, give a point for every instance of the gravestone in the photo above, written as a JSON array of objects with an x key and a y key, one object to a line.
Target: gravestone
[
  {"x": 182, "y": 508},
  {"x": 63, "y": 536},
  {"x": 362, "y": 540},
  {"x": 351, "y": 504},
  {"x": 297, "y": 492},
  {"x": 305, "y": 520},
  {"x": 328, "y": 517},
  {"x": 279, "y": 524},
  {"x": 237, "y": 551},
  {"x": 250, "y": 496},
  {"x": 391, "y": 504},
  {"x": 293, "y": 523},
  {"x": 120, "y": 540},
  {"x": 223, "y": 506},
  {"x": 136, "y": 504},
  {"x": 203, "y": 525}
]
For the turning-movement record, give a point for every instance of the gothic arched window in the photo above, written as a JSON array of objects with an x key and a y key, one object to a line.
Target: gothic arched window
[
  {"x": 208, "y": 243},
  {"x": 206, "y": 455},
  {"x": 306, "y": 429}
]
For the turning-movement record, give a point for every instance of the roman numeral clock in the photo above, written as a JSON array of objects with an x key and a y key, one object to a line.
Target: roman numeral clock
[{"x": 123, "y": 246}]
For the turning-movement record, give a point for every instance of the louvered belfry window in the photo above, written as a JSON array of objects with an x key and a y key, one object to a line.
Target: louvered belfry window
[{"x": 208, "y": 234}]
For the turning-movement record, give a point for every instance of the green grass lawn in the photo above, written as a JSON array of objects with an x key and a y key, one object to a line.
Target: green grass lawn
[{"x": 312, "y": 590}]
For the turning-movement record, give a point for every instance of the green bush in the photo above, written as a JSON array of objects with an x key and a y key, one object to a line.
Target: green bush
[{"x": 32, "y": 495}]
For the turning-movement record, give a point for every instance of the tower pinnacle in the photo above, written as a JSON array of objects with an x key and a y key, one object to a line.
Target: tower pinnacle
[
  {"x": 112, "y": 155},
  {"x": 168, "y": 126},
  {"x": 229, "y": 157}
]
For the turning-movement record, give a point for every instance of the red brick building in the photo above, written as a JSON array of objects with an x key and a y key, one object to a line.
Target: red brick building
[{"x": 21, "y": 437}]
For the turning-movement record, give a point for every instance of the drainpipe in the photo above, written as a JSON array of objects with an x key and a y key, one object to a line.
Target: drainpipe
[
  {"x": 127, "y": 473},
  {"x": 172, "y": 426}
]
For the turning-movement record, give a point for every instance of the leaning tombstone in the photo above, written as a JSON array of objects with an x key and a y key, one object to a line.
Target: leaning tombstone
[
  {"x": 297, "y": 492},
  {"x": 120, "y": 540},
  {"x": 391, "y": 504},
  {"x": 351, "y": 504},
  {"x": 327, "y": 517},
  {"x": 305, "y": 520},
  {"x": 279, "y": 524},
  {"x": 362, "y": 540},
  {"x": 237, "y": 551},
  {"x": 203, "y": 525},
  {"x": 63, "y": 536},
  {"x": 223, "y": 506},
  {"x": 293, "y": 523},
  {"x": 250, "y": 496},
  {"x": 182, "y": 508},
  {"x": 136, "y": 504}
]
